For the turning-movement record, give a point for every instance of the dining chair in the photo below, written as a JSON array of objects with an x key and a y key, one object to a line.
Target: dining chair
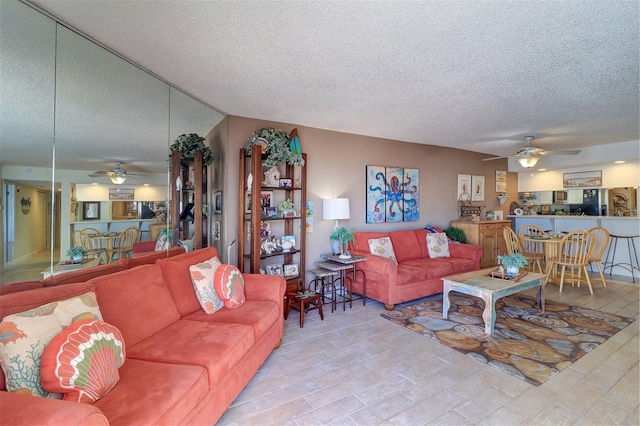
[
  {"x": 602, "y": 239},
  {"x": 124, "y": 242},
  {"x": 92, "y": 247},
  {"x": 531, "y": 247},
  {"x": 574, "y": 253},
  {"x": 77, "y": 237},
  {"x": 514, "y": 247}
]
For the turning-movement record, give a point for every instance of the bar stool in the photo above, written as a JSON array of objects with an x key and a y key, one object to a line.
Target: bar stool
[
  {"x": 303, "y": 302},
  {"x": 631, "y": 247},
  {"x": 325, "y": 278}
]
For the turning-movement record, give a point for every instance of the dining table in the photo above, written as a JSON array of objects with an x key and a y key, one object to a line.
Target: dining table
[
  {"x": 108, "y": 238},
  {"x": 551, "y": 246}
]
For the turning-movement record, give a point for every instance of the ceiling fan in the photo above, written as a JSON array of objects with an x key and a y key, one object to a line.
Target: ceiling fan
[
  {"x": 529, "y": 155},
  {"x": 117, "y": 175}
]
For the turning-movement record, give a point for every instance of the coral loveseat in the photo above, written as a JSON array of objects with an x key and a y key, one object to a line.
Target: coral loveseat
[
  {"x": 416, "y": 274},
  {"x": 182, "y": 366}
]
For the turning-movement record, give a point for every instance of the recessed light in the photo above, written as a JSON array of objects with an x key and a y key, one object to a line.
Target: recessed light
[
  {"x": 619, "y": 162},
  {"x": 146, "y": 184},
  {"x": 94, "y": 183},
  {"x": 542, "y": 170}
]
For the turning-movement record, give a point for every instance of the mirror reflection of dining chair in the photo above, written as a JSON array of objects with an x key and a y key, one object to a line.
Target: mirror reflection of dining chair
[
  {"x": 124, "y": 243},
  {"x": 92, "y": 247},
  {"x": 514, "y": 247},
  {"x": 576, "y": 249},
  {"x": 602, "y": 237}
]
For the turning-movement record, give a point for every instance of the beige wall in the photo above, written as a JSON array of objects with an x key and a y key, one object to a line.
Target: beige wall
[{"x": 336, "y": 167}]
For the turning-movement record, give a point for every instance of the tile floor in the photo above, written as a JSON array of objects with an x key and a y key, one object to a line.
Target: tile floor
[{"x": 356, "y": 368}]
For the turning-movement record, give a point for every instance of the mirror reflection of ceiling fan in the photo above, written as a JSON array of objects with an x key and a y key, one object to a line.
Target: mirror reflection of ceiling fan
[
  {"x": 117, "y": 175},
  {"x": 529, "y": 155}
]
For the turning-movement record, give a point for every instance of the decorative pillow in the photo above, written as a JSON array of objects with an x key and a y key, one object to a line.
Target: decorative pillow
[
  {"x": 382, "y": 247},
  {"x": 82, "y": 362},
  {"x": 163, "y": 243},
  {"x": 438, "y": 245},
  {"x": 202, "y": 275},
  {"x": 23, "y": 337},
  {"x": 229, "y": 285}
]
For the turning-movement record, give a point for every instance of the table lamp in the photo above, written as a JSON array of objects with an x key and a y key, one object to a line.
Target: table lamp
[{"x": 335, "y": 209}]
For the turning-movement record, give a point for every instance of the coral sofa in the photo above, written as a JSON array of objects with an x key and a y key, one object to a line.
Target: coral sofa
[
  {"x": 416, "y": 274},
  {"x": 182, "y": 366}
]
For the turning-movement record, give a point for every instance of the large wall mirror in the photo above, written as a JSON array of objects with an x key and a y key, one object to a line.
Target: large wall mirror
[{"x": 71, "y": 112}]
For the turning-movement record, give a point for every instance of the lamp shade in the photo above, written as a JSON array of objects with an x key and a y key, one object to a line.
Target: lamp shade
[
  {"x": 335, "y": 208},
  {"x": 118, "y": 178}
]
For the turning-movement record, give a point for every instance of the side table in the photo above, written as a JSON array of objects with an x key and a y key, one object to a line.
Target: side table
[
  {"x": 303, "y": 302},
  {"x": 343, "y": 267},
  {"x": 324, "y": 278}
]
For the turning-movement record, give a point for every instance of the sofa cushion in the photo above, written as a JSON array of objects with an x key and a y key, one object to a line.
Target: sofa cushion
[
  {"x": 438, "y": 245},
  {"x": 459, "y": 264},
  {"x": 183, "y": 342},
  {"x": 361, "y": 243},
  {"x": 148, "y": 258},
  {"x": 174, "y": 390},
  {"x": 202, "y": 275},
  {"x": 176, "y": 273},
  {"x": 229, "y": 285},
  {"x": 259, "y": 314},
  {"x": 19, "y": 286},
  {"x": 25, "y": 335},
  {"x": 433, "y": 268},
  {"x": 136, "y": 301},
  {"x": 406, "y": 245},
  {"x": 82, "y": 361},
  {"x": 382, "y": 247},
  {"x": 408, "y": 273}
]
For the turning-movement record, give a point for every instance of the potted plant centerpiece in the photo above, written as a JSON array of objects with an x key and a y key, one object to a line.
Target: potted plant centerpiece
[
  {"x": 341, "y": 238},
  {"x": 512, "y": 263},
  {"x": 76, "y": 253}
]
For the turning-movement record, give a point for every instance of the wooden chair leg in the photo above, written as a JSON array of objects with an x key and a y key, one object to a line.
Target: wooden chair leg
[
  {"x": 604, "y": 282},
  {"x": 588, "y": 279},
  {"x": 562, "y": 278}
]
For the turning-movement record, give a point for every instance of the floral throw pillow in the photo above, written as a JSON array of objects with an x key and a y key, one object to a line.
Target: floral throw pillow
[
  {"x": 229, "y": 285},
  {"x": 82, "y": 362},
  {"x": 382, "y": 247},
  {"x": 438, "y": 245},
  {"x": 24, "y": 336},
  {"x": 202, "y": 275}
]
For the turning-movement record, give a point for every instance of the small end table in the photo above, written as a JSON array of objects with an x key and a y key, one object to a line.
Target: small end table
[{"x": 303, "y": 302}]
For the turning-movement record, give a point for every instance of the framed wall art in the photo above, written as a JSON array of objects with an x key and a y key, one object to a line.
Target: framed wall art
[
  {"x": 217, "y": 202},
  {"x": 91, "y": 210},
  {"x": 393, "y": 194},
  {"x": 582, "y": 179},
  {"x": 464, "y": 188},
  {"x": 477, "y": 188},
  {"x": 121, "y": 194}
]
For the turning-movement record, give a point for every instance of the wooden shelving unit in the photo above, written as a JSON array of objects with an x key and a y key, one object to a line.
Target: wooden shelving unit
[
  {"x": 250, "y": 257},
  {"x": 181, "y": 197}
]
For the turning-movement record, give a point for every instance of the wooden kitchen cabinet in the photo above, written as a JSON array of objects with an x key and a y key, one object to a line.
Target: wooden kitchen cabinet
[{"x": 488, "y": 235}]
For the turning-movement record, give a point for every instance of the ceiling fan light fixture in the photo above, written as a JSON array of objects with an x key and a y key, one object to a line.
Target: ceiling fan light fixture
[
  {"x": 118, "y": 178},
  {"x": 528, "y": 161}
]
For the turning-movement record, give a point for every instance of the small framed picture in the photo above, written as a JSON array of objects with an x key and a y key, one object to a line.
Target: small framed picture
[
  {"x": 291, "y": 270},
  {"x": 274, "y": 269},
  {"x": 270, "y": 212},
  {"x": 498, "y": 215},
  {"x": 217, "y": 202},
  {"x": 291, "y": 239},
  {"x": 266, "y": 198},
  {"x": 247, "y": 202},
  {"x": 286, "y": 183}
]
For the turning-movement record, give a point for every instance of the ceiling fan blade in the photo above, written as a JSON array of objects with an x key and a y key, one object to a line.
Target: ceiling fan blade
[
  {"x": 100, "y": 173},
  {"x": 567, "y": 152},
  {"x": 494, "y": 158}
]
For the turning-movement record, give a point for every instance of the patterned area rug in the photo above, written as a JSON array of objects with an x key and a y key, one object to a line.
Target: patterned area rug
[{"x": 530, "y": 345}]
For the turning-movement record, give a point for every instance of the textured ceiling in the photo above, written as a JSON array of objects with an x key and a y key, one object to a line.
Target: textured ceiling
[{"x": 468, "y": 74}]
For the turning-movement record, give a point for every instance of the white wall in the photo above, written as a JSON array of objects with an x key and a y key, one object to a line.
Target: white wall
[{"x": 613, "y": 175}]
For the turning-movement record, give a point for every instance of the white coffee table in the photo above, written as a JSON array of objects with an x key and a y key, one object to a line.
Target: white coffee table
[{"x": 490, "y": 289}]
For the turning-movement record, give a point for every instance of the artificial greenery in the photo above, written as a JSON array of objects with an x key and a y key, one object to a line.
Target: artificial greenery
[
  {"x": 343, "y": 235},
  {"x": 286, "y": 205},
  {"x": 76, "y": 251},
  {"x": 166, "y": 231},
  {"x": 187, "y": 145},
  {"x": 278, "y": 148},
  {"x": 513, "y": 261},
  {"x": 456, "y": 234}
]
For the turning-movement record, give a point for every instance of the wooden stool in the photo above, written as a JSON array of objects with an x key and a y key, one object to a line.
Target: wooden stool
[{"x": 303, "y": 302}]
